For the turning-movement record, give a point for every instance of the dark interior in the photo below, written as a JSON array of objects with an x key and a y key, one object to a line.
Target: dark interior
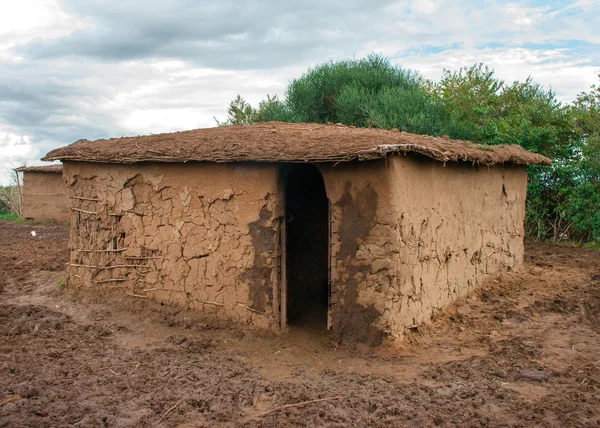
[{"x": 307, "y": 217}]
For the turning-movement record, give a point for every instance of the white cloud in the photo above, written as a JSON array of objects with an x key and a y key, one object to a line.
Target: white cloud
[
  {"x": 26, "y": 20},
  {"x": 15, "y": 146},
  {"x": 521, "y": 15},
  {"x": 15, "y": 149},
  {"x": 426, "y": 6},
  {"x": 93, "y": 69},
  {"x": 152, "y": 121},
  {"x": 567, "y": 76}
]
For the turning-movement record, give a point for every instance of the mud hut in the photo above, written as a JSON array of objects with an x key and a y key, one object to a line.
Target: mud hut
[
  {"x": 45, "y": 195},
  {"x": 366, "y": 232}
]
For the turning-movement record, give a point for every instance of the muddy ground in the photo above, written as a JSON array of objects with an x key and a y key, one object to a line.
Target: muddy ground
[{"x": 524, "y": 351}]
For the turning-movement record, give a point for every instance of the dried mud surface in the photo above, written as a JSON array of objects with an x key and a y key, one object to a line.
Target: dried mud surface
[{"x": 524, "y": 351}]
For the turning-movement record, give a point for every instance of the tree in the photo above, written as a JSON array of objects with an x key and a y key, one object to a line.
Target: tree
[
  {"x": 486, "y": 110},
  {"x": 369, "y": 92},
  {"x": 239, "y": 112},
  {"x": 583, "y": 207},
  {"x": 273, "y": 109},
  {"x": 12, "y": 195}
]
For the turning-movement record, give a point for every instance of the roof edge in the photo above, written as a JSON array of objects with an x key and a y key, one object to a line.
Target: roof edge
[
  {"x": 275, "y": 142},
  {"x": 56, "y": 169}
]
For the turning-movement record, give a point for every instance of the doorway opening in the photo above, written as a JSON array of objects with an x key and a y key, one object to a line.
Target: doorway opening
[{"x": 306, "y": 246}]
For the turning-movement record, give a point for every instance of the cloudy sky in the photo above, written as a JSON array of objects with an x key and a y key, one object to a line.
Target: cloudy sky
[{"x": 72, "y": 69}]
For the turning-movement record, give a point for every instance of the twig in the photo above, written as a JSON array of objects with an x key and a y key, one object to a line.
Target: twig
[
  {"x": 110, "y": 280},
  {"x": 140, "y": 258},
  {"x": 84, "y": 211},
  {"x": 156, "y": 152},
  {"x": 19, "y": 207},
  {"x": 304, "y": 403},
  {"x": 113, "y": 372},
  {"x": 138, "y": 272},
  {"x": 84, "y": 199},
  {"x": 150, "y": 289},
  {"x": 136, "y": 295},
  {"x": 169, "y": 410},
  {"x": 251, "y": 309},
  {"x": 211, "y": 303},
  {"x": 99, "y": 268},
  {"x": 103, "y": 267},
  {"x": 9, "y": 399},
  {"x": 495, "y": 251},
  {"x": 116, "y": 250}
]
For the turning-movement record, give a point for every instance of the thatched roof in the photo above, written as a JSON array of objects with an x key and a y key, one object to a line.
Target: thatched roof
[
  {"x": 47, "y": 168},
  {"x": 287, "y": 142}
]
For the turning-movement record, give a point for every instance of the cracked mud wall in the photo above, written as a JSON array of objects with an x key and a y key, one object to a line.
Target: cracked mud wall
[
  {"x": 197, "y": 235},
  {"x": 409, "y": 236},
  {"x": 457, "y": 226},
  {"x": 45, "y": 197},
  {"x": 363, "y": 248}
]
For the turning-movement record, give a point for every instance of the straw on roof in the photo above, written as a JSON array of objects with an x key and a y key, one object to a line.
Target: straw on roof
[
  {"x": 47, "y": 168},
  {"x": 287, "y": 142}
]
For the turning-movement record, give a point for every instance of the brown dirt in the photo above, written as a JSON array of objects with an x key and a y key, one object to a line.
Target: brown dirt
[
  {"x": 21, "y": 252},
  {"x": 524, "y": 351},
  {"x": 288, "y": 142}
]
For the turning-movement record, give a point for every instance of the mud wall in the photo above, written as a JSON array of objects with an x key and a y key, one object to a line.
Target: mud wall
[
  {"x": 364, "y": 246},
  {"x": 198, "y": 235},
  {"x": 457, "y": 226},
  {"x": 45, "y": 197},
  {"x": 411, "y": 235}
]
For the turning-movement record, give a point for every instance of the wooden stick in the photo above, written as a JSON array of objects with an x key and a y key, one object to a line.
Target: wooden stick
[
  {"x": 136, "y": 295},
  {"x": 495, "y": 251},
  {"x": 140, "y": 258},
  {"x": 110, "y": 280},
  {"x": 251, "y": 309},
  {"x": 84, "y": 211},
  {"x": 211, "y": 303},
  {"x": 103, "y": 267},
  {"x": 20, "y": 189},
  {"x": 84, "y": 199},
  {"x": 169, "y": 410},
  {"x": 138, "y": 272},
  {"x": 116, "y": 250},
  {"x": 9, "y": 399},
  {"x": 304, "y": 403},
  {"x": 99, "y": 268}
]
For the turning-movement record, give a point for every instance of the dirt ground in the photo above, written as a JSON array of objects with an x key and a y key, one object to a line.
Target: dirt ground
[{"x": 524, "y": 351}]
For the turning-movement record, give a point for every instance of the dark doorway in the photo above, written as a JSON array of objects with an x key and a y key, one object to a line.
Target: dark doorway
[{"x": 307, "y": 244}]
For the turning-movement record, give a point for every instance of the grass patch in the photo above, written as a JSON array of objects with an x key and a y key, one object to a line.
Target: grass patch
[{"x": 10, "y": 217}]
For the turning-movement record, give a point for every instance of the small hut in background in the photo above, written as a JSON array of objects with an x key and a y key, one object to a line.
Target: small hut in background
[
  {"x": 45, "y": 195},
  {"x": 364, "y": 232}
]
